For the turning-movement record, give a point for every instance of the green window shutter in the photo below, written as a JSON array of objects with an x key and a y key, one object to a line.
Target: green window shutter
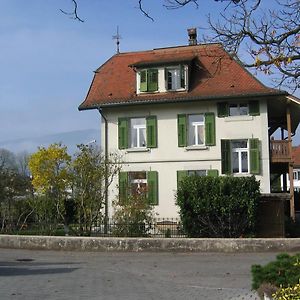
[
  {"x": 210, "y": 129},
  {"x": 254, "y": 108},
  {"x": 182, "y": 76},
  {"x": 180, "y": 176},
  {"x": 152, "y": 180},
  {"x": 152, "y": 80},
  {"x": 151, "y": 122},
  {"x": 226, "y": 156},
  {"x": 123, "y": 187},
  {"x": 223, "y": 109},
  {"x": 254, "y": 156},
  {"x": 143, "y": 81},
  {"x": 182, "y": 130},
  {"x": 123, "y": 133},
  {"x": 213, "y": 173}
]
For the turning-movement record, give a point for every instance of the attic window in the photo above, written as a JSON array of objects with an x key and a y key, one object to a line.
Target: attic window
[
  {"x": 162, "y": 79},
  {"x": 149, "y": 80},
  {"x": 175, "y": 78}
]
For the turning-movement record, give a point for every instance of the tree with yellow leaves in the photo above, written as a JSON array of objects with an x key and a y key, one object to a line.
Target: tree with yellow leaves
[{"x": 51, "y": 180}]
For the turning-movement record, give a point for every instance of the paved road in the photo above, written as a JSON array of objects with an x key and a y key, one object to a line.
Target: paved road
[{"x": 45, "y": 275}]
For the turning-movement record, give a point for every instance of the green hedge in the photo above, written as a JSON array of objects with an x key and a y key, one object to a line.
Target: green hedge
[
  {"x": 222, "y": 206},
  {"x": 282, "y": 272}
]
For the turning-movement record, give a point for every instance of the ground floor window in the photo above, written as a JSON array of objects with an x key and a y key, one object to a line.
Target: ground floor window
[
  {"x": 139, "y": 183},
  {"x": 183, "y": 173}
]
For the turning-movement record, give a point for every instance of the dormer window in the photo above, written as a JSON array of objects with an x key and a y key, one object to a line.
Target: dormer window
[
  {"x": 175, "y": 78},
  {"x": 161, "y": 79},
  {"x": 149, "y": 80}
]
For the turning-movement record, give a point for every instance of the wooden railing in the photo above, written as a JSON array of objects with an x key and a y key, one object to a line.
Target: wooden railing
[{"x": 280, "y": 151}]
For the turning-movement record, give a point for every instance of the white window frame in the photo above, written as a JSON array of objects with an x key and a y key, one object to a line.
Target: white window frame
[
  {"x": 196, "y": 125},
  {"x": 239, "y": 151},
  {"x": 138, "y": 128},
  {"x": 178, "y": 77}
]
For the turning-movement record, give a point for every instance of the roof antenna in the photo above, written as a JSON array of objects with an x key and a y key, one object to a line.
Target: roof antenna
[{"x": 117, "y": 37}]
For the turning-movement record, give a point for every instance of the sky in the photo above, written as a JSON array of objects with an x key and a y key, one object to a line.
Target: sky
[{"x": 47, "y": 59}]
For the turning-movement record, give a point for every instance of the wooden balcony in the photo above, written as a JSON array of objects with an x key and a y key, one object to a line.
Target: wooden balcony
[{"x": 280, "y": 151}]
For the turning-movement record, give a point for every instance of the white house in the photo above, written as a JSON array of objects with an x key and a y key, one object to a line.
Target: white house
[{"x": 176, "y": 111}]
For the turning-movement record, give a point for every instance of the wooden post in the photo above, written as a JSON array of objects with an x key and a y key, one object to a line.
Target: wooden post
[
  {"x": 291, "y": 169},
  {"x": 284, "y": 175}
]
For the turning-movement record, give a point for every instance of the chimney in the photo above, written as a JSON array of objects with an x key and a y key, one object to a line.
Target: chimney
[{"x": 192, "y": 32}]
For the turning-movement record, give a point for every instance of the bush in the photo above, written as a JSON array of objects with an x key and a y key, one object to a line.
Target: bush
[
  {"x": 289, "y": 293},
  {"x": 133, "y": 217},
  {"x": 283, "y": 272},
  {"x": 218, "y": 206}
]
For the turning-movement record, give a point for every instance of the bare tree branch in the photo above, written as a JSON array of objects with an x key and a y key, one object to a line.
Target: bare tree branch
[
  {"x": 73, "y": 14},
  {"x": 143, "y": 11},
  {"x": 271, "y": 39}
]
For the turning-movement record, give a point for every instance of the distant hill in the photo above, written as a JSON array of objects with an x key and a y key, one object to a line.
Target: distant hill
[{"x": 70, "y": 139}]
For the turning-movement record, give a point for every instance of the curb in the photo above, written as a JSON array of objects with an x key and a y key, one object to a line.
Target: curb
[{"x": 101, "y": 244}]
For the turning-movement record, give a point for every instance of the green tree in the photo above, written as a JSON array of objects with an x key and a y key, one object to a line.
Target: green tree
[
  {"x": 51, "y": 179},
  {"x": 14, "y": 187},
  {"x": 92, "y": 176}
]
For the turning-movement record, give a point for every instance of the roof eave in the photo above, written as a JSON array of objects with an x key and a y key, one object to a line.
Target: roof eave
[{"x": 178, "y": 100}]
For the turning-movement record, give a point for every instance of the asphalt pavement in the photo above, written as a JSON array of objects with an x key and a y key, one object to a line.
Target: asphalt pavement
[{"x": 42, "y": 275}]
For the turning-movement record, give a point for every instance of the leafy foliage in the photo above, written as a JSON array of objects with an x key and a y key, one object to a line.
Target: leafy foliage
[
  {"x": 133, "y": 217},
  {"x": 218, "y": 206},
  {"x": 92, "y": 175},
  {"x": 282, "y": 272},
  {"x": 288, "y": 293},
  {"x": 14, "y": 186},
  {"x": 50, "y": 168}
]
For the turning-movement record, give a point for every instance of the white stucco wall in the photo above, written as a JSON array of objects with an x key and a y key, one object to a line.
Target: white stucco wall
[{"x": 168, "y": 158}]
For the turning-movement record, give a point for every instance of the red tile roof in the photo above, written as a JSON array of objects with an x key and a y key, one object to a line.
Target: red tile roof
[
  {"x": 214, "y": 74},
  {"x": 296, "y": 156}
]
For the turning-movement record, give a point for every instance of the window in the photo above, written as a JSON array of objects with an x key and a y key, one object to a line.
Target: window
[
  {"x": 162, "y": 78},
  {"x": 250, "y": 108},
  {"x": 137, "y": 132},
  {"x": 240, "y": 156},
  {"x": 139, "y": 183},
  {"x": 238, "y": 109},
  {"x": 296, "y": 175},
  {"x": 184, "y": 173},
  {"x": 196, "y": 130},
  {"x": 148, "y": 80},
  {"x": 197, "y": 172},
  {"x": 175, "y": 78}
]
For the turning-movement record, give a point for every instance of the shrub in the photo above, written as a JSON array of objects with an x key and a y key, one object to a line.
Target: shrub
[
  {"x": 282, "y": 272},
  {"x": 222, "y": 206},
  {"x": 289, "y": 293},
  {"x": 133, "y": 217}
]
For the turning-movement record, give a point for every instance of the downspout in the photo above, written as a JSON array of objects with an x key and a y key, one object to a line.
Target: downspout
[{"x": 106, "y": 170}]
